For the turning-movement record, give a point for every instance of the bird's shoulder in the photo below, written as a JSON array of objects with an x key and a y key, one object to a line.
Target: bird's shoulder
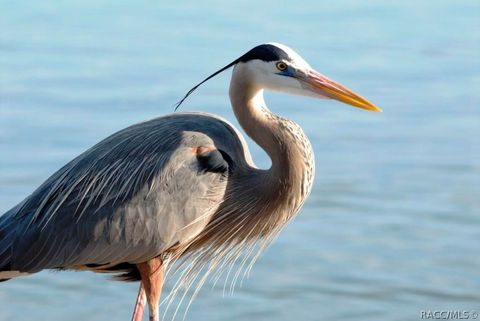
[
  {"x": 194, "y": 129},
  {"x": 159, "y": 176},
  {"x": 120, "y": 165}
]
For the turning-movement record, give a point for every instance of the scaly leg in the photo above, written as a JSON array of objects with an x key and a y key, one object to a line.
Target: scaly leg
[{"x": 152, "y": 273}]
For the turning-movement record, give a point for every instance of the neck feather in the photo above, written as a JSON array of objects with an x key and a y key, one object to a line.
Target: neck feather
[
  {"x": 258, "y": 203},
  {"x": 281, "y": 190},
  {"x": 282, "y": 139}
]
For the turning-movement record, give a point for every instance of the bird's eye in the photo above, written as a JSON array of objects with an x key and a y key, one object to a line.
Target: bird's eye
[{"x": 281, "y": 66}]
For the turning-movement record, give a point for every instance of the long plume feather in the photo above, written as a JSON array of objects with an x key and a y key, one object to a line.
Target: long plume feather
[{"x": 205, "y": 80}]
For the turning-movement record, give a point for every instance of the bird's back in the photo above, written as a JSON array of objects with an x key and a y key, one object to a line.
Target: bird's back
[{"x": 131, "y": 196}]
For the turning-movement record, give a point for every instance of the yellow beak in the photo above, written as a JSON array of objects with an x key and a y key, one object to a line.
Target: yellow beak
[{"x": 323, "y": 86}]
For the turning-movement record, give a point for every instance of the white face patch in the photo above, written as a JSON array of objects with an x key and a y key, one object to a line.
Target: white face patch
[
  {"x": 266, "y": 75},
  {"x": 298, "y": 61}
]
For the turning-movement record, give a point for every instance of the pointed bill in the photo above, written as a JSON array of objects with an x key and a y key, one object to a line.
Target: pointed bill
[{"x": 325, "y": 87}]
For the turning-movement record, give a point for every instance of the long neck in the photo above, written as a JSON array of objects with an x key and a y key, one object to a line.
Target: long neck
[
  {"x": 258, "y": 203},
  {"x": 292, "y": 170}
]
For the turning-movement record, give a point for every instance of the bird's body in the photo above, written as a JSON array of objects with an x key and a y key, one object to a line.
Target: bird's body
[
  {"x": 107, "y": 198},
  {"x": 182, "y": 185}
]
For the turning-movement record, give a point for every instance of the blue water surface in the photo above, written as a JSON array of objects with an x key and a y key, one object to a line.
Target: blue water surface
[{"x": 392, "y": 228}]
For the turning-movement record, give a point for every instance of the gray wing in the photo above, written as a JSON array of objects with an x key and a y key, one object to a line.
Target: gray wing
[{"x": 126, "y": 199}]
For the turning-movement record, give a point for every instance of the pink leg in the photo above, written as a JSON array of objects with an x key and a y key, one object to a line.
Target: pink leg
[
  {"x": 140, "y": 304},
  {"x": 152, "y": 273}
]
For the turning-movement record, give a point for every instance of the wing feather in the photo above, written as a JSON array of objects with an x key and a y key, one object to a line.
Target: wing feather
[{"x": 126, "y": 199}]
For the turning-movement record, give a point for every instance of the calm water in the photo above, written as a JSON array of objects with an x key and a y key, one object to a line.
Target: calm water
[{"x": 393, "y": 225}]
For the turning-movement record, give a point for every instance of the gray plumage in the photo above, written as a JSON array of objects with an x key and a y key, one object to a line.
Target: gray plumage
[
  {"x": 181, "y": 186},
  {"x": 126, "y": 199}
]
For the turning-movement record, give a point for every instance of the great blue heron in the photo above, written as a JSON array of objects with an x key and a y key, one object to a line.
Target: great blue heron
[{"x": 179, "y": 186}]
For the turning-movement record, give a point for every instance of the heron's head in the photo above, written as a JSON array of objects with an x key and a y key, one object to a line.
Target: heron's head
[{"x": 274, "y": 66}]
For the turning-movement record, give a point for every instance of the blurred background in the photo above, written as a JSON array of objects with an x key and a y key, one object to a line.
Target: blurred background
[{"x": 392, "y": 227}]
